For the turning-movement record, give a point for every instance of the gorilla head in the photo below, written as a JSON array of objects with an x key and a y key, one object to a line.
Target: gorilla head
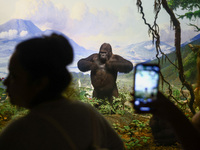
[{"x": 105, "y": 52}]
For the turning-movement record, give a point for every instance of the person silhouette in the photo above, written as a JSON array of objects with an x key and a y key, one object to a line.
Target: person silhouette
[{"x": 37, "y": 77}]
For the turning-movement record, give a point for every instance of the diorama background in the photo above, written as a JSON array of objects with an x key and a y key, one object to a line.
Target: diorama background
[{"x": 87, "y": 24}]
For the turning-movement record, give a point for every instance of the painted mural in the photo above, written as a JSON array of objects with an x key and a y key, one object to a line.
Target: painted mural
[{"x": 90, "y": 23}]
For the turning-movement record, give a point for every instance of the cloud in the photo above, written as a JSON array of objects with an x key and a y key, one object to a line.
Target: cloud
[
  {"x": 149, "y": 47},
  {"x": 43, "y": 13},
  {"x": 23, "y": 33},
  {"x": 81, "y": 21},
  {"x": 163, "y": 47},
  {"x": 91, "y": 25},
  {"x": 11, "y": 34},
  {"x": 167, "y": 34},
  {"x": 79, "y": 11}
]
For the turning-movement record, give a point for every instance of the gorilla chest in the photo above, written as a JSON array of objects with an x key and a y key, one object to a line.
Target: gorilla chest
[
  {"x": 101, "y": 71},
  {"x": 102, "y": 77}
]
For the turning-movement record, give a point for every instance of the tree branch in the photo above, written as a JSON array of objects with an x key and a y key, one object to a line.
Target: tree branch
[
  {"x": 197, "y": 28},
  {"x": 178, "y": 53}
]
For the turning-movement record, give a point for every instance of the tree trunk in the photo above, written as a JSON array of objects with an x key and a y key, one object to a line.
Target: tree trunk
[{"x": 176, "y": 24}]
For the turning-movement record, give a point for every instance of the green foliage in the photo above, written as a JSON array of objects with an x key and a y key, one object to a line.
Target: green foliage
[
  {"x": 145, "y": 139},
  {"x": 125, "y": 81},
  {"x": 192, "y": 6},
  {"x": 139, "y": 125},
  {"x": 189, "y": 15},
  {"x": 191, "y": 72},
  {"x": 103, "y": 106},
  {"x": 9, "y": 112},
  {"x": 119, "y": 103},
  {"x": 133, "y": 142},
  {"x": 184, "y": 4},
  {"x": 131, "y": 130},
  {"x": 176, "y": 94},
  {"x": 6, "y": 110},
  {"x": 84, "y": 96},
  {"x": 189, "y": 59},
  {"x": 81, "y": 86},
  {"x": 3, "y": 94},
  {"x": 71, "y": 93}
]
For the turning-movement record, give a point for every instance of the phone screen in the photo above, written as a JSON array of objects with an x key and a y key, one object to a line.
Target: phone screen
[{"x": 146, "y": 81}]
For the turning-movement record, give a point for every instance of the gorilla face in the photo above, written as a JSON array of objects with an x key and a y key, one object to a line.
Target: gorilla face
[
  {"x": 105, "y": 52},
  {"x": 103, "y": 56}
]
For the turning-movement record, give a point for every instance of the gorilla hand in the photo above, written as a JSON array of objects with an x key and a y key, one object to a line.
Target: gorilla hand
[{"x": 94, "y": 66}]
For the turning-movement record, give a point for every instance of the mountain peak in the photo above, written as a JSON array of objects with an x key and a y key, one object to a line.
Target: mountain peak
[{"x": 18, "y": 28}]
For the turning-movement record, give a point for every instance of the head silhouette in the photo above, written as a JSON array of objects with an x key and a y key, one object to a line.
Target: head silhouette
[{"x": 43, "y": 59}]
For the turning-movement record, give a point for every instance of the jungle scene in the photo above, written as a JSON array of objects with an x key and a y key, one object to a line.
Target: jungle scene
[{"x": 178, "y": 77}]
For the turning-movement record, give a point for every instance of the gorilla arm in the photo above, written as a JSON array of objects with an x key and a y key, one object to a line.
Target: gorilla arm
[
  {"x": 88, "y": 63},
  {"x": 120, "y": 64}
]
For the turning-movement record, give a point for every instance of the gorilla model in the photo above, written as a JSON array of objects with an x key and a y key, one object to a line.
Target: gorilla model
[{"x": 104, "y": 67}]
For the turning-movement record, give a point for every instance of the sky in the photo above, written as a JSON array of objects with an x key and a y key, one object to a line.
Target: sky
[{"x": 93, "y": 22}]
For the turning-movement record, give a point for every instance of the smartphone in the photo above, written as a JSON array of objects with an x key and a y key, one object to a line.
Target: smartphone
[{"x": 146, "y": 82}]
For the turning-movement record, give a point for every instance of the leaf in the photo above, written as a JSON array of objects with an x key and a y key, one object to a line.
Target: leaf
[{"x": 127, "y": 127}]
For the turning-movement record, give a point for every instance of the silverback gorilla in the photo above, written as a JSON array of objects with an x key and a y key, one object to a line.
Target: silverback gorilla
[{"x": 104, "y": 67}]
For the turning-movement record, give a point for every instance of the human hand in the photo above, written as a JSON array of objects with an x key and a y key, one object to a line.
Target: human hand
[{"x": 163, "y": 108}]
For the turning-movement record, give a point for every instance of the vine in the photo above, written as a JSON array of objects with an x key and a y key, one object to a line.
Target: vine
[{"x": 154, "y": 31}]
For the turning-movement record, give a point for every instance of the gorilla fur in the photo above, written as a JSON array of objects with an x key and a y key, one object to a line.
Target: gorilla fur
[{"x": 104, "y": 67}]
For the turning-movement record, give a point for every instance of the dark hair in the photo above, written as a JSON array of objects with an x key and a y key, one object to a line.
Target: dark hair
[
  {"x": 47, "y": 56},
  {"x": 108, "y": 48}
]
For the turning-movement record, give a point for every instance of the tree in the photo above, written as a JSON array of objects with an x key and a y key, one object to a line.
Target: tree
[
  {"x": 154, "y": 31},
  {"x": 193, "y": 7}
]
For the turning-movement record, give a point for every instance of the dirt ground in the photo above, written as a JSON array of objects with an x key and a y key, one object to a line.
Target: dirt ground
[{"x": 126, "y": 120}]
